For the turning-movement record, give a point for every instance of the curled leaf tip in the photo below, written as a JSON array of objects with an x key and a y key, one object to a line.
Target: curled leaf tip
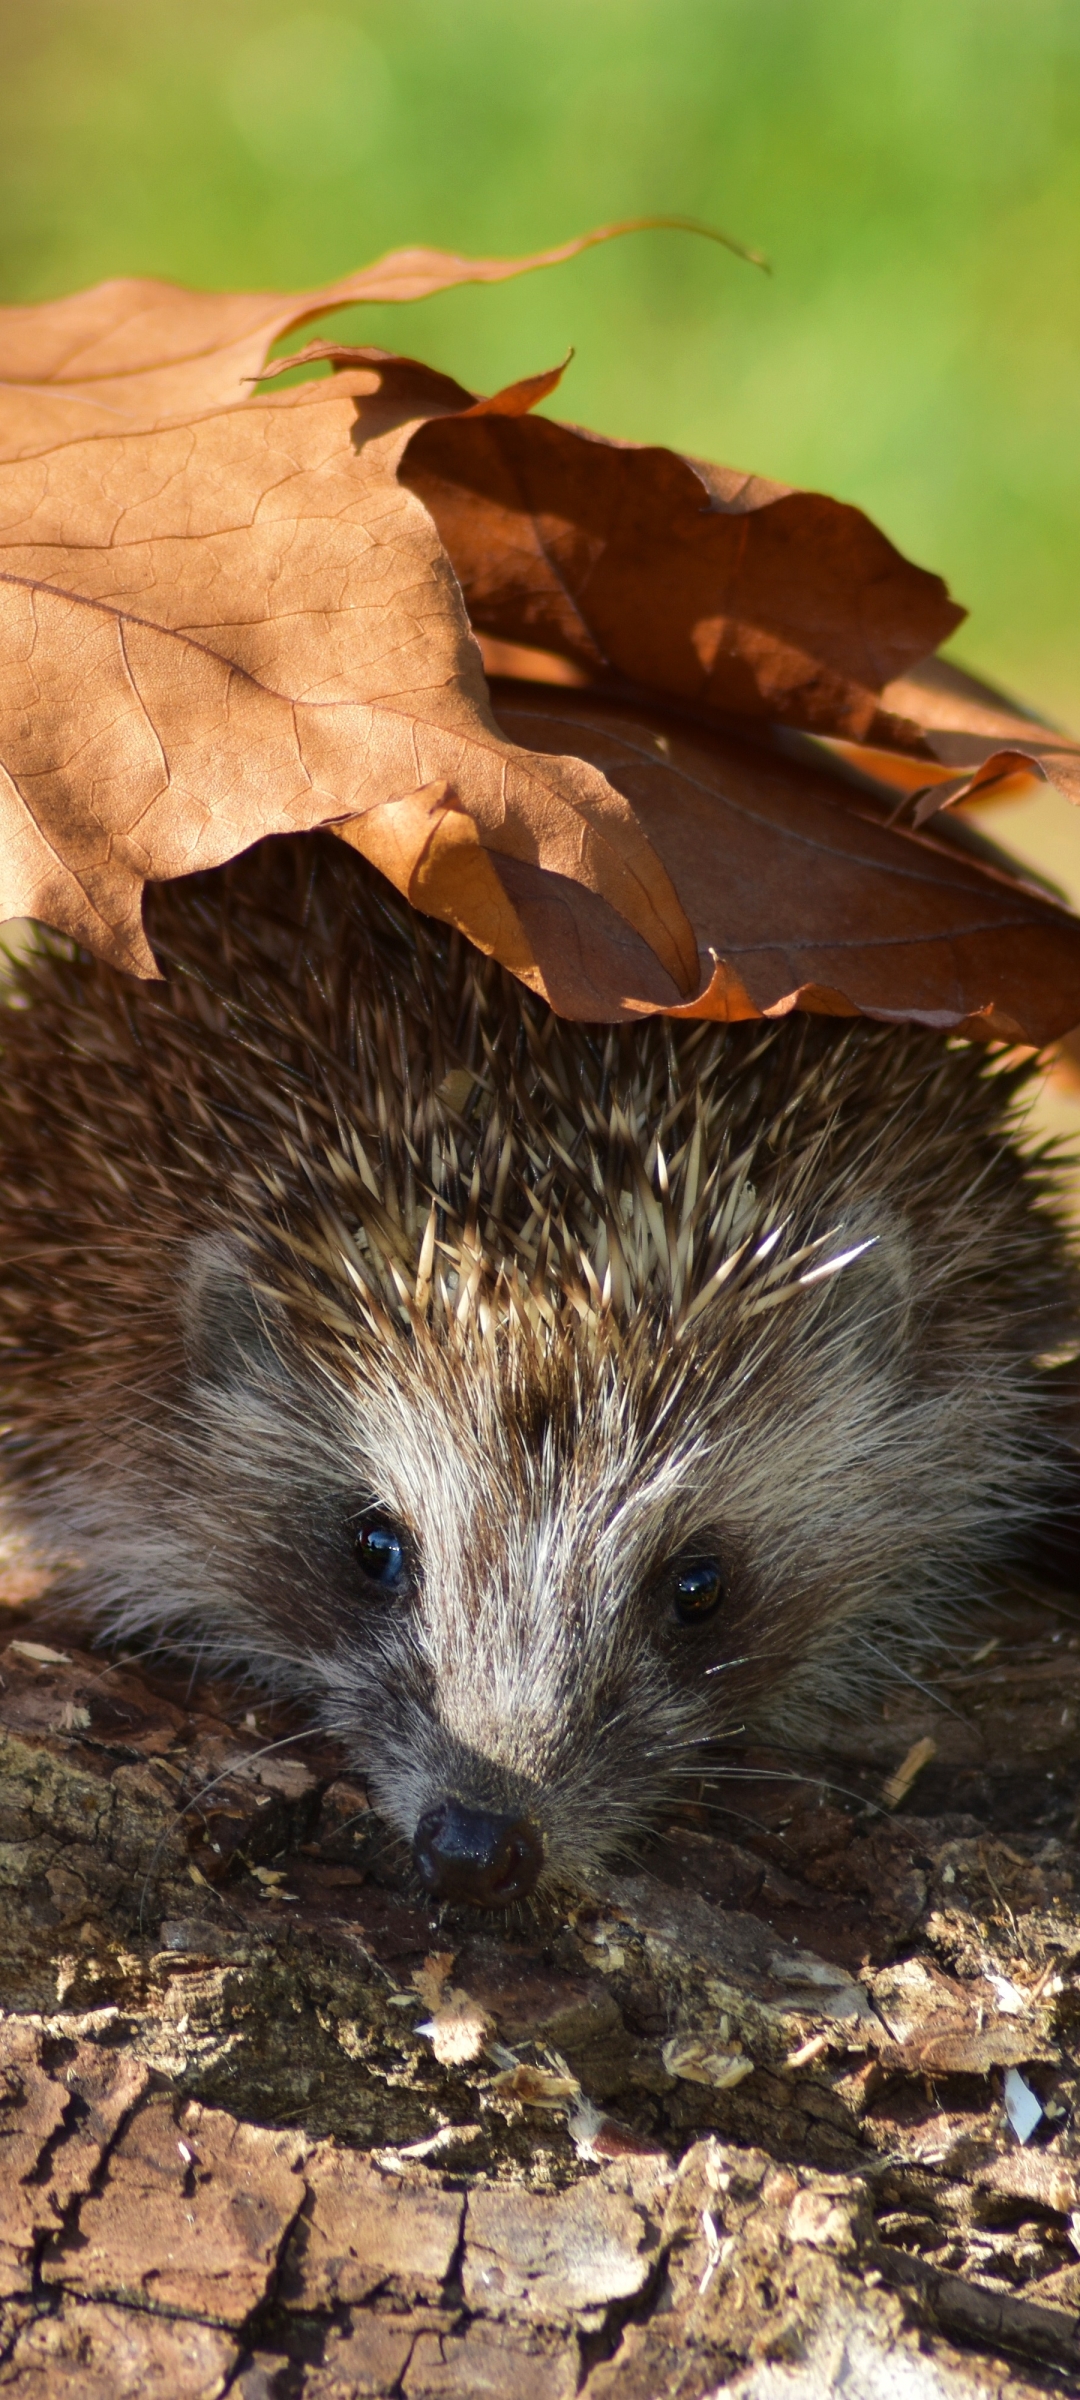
[{"x": 711, "y": 233}]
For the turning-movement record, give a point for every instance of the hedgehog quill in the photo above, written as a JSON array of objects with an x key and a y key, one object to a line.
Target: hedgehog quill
[{"x": 545, "y": 1402}]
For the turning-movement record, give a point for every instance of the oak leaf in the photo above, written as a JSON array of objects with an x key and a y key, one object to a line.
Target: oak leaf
[
  {"x": 707, "y": 586},
  {"x": 800, "y": 891},
  {"x": 137, "y": 352},
  {"x": 975, "y": 743},
  {"x": 244, "y": 625},
  {"x": 227, "y": 612},
  {"x": 979, "y": 739}
]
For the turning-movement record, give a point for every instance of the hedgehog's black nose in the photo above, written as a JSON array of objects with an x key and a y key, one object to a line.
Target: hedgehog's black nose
[{"x": 469, "y": 1854}]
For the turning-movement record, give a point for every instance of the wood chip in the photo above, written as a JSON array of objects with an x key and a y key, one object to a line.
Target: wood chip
[{"x": 899, "y": 1784}]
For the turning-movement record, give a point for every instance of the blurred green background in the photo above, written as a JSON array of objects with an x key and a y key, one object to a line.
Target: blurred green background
[{"x": 911, "y": 169}]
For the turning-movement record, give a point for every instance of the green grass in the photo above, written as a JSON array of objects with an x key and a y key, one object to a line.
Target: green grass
[{"x": 912, "y": 170}]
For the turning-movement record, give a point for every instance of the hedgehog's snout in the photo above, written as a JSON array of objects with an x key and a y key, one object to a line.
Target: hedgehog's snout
[{"x": 471, "y": 1854}]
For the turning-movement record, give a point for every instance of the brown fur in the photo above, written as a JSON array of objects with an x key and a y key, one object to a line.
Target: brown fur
[{"x": 340, "y": 1214}]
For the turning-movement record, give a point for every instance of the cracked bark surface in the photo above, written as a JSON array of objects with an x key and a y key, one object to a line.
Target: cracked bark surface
[{"x": 790, "y": 2111}]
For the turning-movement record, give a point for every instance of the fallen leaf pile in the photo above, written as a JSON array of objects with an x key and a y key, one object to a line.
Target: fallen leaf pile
[{"x": 713, "y": 763}]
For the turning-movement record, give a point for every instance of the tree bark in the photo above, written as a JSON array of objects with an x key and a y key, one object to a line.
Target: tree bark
[{"x": 788, "y": 2112}]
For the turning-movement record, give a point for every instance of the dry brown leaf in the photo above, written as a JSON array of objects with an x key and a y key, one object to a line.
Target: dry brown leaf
[
  {"x": 224, "y": 616},
  {"x": 247, "y": 625},
  {"x": 801, "y": 894},
  {"x": 724, "y": 591},
  {"x": 980, "y": 739},
  {"x": 974, "y": 744},
  {"x": 136, "y": 351},
  {"x": 708, "y": 586}
]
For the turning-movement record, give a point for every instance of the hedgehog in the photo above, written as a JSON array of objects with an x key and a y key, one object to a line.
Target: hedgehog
[{"x": 546, "y": 1403}]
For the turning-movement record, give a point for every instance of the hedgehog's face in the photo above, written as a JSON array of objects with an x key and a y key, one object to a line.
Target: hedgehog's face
[
  {"x": 511, "y": 1610},
  {"x": 534, "y": 1606},
  {"x": 529, "y": 1587}
]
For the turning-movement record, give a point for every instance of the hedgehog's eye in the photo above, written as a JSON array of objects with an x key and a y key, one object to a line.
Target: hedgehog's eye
[
  {"x": 697, "y": 1590},
  {"x": 380, "y": 1551}
]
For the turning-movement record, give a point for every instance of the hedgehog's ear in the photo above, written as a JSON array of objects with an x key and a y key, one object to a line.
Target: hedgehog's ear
[{"x": 226, "y": 1327}]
